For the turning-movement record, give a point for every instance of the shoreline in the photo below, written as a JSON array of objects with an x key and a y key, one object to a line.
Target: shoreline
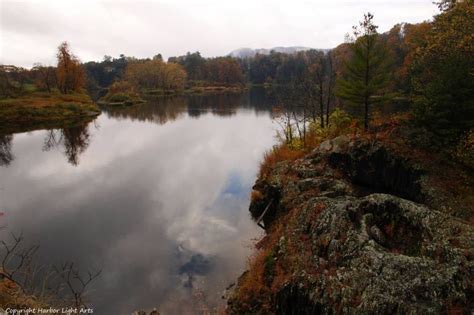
[
  {"x": 195, "y": 91},
  {"x": 44, "y": 111}
]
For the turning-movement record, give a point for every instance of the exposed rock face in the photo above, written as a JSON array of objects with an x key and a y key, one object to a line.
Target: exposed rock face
[
  {"x": 389, "y": 254},
  {"x": 371, "y": 165},
  {"x": 347, "y": 248}
]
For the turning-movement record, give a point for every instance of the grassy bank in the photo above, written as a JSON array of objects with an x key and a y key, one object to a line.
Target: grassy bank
[
  {"x": 197, "y": 90},
  {"x": 11, "y": 296},
  {"x": 131, "y": 97},
  {"x": 42, "y": 110},
  {"x": 120, "y": 99},
  {"x": 215, "y": 89}
]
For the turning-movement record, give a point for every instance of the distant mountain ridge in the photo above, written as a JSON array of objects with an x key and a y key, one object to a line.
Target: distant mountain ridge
[{"x": 249, "y": 52}]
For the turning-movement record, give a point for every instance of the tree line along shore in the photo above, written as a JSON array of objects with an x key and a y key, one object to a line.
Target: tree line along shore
[{"x": 347, "y": 193}]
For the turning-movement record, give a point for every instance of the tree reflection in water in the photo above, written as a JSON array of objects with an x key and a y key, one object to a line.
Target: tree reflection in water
[
  {"x": 223, "y": 104},
  {"x": 161, "y": 110},
  {"x": 156, "y": 110},
  {"x": 187, "y": 183},
  {"x": 6, "y": 155},
  {"x": 74, "y": 141}
]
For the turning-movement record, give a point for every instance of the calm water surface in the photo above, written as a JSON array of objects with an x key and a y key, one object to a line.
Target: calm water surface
[{"x": 156, "y": 195}]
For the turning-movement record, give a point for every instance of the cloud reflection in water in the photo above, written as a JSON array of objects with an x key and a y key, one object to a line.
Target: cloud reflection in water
[{"x": 158, "y": 198}]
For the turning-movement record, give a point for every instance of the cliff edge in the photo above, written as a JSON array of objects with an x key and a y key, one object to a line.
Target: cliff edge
[{"x": 355, "y": 227}]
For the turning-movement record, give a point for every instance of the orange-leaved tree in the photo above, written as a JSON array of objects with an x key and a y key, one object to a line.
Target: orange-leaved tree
[{"x": 70, "y": 74}]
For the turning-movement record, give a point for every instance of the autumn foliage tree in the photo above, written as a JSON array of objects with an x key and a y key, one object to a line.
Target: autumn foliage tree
[
  {"x": 155, "y": 74},
  {"x": 445, "y": 5},
  {"x": 45, "y": 77},
  {"x": 403, "y": 41},
  {"x": 443, "y": 74},
  {"x": 210, "y": 71},
  {"x": 224, "y": 70},
  {"x": 69, "y": 72}
]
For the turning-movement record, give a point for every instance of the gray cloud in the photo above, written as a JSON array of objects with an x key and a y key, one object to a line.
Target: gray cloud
[{"x": 31, "y": 30}]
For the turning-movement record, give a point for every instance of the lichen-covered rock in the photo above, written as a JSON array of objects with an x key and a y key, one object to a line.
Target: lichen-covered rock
[
  {"x": 344, "y": 247},
  {"x": 372, "y": 164},
  {"x": 395, "y": 255},
  {"x": 153, "y": 312}
]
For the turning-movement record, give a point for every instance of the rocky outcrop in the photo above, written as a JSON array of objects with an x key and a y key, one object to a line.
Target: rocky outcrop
[
  {"x": 371, "y": 164},
  {"x": 355, "y": 238}
]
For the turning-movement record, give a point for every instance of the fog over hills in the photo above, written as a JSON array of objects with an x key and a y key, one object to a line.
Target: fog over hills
[{"x": 249, "y": 52}]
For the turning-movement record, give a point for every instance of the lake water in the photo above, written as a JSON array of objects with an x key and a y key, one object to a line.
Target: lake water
[{"x": 156, "y": 195}]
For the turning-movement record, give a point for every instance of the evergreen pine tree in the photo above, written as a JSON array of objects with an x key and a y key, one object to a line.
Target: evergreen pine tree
[{"x": 365, "y": 73}]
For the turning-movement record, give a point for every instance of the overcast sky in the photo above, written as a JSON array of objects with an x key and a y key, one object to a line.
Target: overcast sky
[{"x": 32, "y": 29}]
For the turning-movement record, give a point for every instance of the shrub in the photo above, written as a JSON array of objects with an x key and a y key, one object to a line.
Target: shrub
[
  {"x": 121, "y": 91},
  {"x": 122, "y": 87},
  {"x": 119, "y": 97},
  {"x": 277, "y": 154},
  {"x": 340, "y": 122},
  {"x": 256, "y": 287}
]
